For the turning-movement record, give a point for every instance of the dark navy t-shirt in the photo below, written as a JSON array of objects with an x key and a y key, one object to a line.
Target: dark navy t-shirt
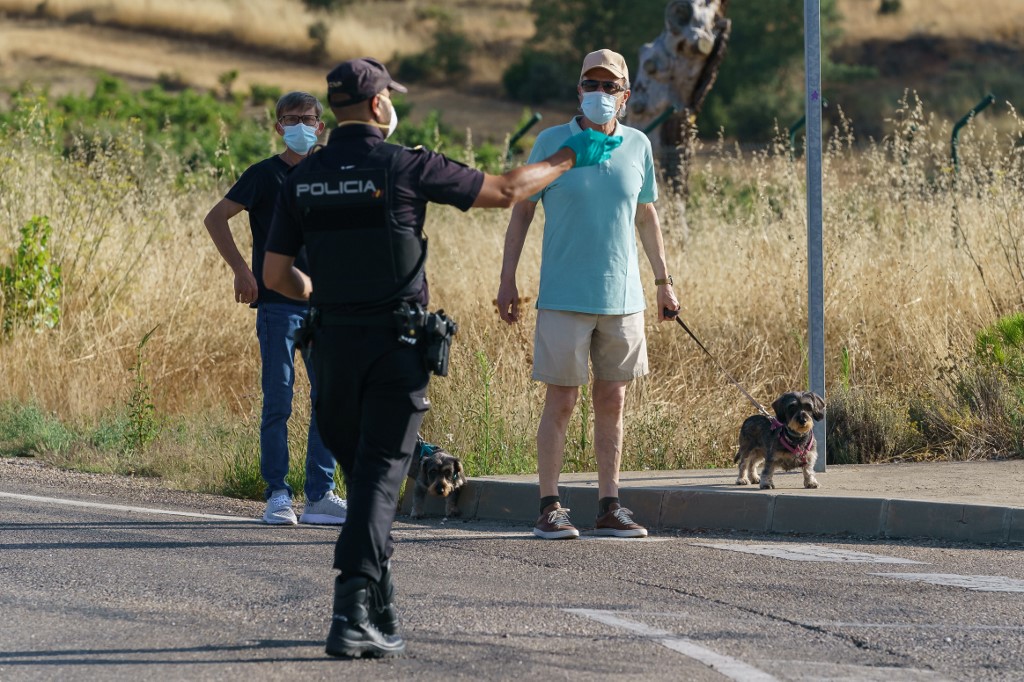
[
  {"x": 422, "y": 177},
  {"x": 257, "y": 190}
]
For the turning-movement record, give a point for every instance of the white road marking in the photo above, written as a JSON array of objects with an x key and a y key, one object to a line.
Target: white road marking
[
  {"x": 914, "y": 626},
  {"x": 978, "y": 583},
  {"x": 818, "y": 670},
  {"x": 455, "y": 534},
  {"x": 806, "y": 553},
  {"x": 729, "y": 667},
  {"x": 611, "y": 538},
  {"x": 119, "y": 507}
]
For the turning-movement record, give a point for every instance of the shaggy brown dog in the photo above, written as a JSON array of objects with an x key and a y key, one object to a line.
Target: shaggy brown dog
[
  {"x": 785, "y": 442},
  {"x": 439, "y": 473}
]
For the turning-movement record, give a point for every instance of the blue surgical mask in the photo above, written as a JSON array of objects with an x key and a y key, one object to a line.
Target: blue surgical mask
[
  {"x": 600, "y": 107},
  {"x": 300, "y": 138}
]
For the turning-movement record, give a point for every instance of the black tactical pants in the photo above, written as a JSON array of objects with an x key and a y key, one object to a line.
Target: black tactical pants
[{"x": 372, "y": 396}]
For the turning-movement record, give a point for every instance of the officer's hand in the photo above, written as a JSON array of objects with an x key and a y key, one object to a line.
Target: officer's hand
[{"x": 592, "y": 147}]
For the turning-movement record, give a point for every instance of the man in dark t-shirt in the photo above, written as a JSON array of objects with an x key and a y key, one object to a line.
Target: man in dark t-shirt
[{"x": 277, "y": 318}]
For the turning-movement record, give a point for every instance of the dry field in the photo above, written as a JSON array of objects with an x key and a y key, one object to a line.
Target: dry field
[
  {"x": 1000, "y": 21},
  {"x": 913, "y": 267},
  {"x": 913, "y": 270},
  {"x": 61, "y": 43}
]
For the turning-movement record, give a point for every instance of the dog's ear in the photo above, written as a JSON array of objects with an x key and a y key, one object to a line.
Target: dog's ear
[
  {"x": 457, "y": 464},
  {"x": 818, "y": 404},
  {"x": 424, "y": 464},
  {"x": 780, "y": 406}
]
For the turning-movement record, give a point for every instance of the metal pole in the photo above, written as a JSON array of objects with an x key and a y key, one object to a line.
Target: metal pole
[
  {"x": 815, "y": 270},
  {"x": 954, "y": 144},
  {"x": 661, "y": 118},
  {"x": 519, "y": 133}
]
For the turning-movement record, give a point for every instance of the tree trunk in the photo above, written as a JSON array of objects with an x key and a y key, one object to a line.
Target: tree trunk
[{"x": 676, "y": 73}]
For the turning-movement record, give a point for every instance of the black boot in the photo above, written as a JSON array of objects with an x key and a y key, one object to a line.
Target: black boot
[
  {"x": 382, "y": 609},
  {"x": 352, "y": 634}
]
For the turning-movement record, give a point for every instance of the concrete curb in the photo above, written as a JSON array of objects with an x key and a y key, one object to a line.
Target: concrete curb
[{"x": 680, "y": 508}]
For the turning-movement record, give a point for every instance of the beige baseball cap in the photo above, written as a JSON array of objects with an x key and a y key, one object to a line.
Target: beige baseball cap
[{"x": 606, "y": 59}]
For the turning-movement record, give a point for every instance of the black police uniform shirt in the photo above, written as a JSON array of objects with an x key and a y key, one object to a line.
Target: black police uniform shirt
[
  {"x": 421, "y": 177},
  {"x": 257, "y": 190}
]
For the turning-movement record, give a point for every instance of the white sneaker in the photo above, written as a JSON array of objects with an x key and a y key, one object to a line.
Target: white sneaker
[
  {"x": 279, "y": 509},
  {"x": 330, "y": 510}
]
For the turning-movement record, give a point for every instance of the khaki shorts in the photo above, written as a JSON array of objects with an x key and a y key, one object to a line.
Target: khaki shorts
[{"x": 564, "y": 343}]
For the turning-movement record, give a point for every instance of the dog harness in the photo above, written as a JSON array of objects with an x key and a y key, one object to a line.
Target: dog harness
[
  {"x": 423, "y": 450},
  {"x": 800, "y": 451}
]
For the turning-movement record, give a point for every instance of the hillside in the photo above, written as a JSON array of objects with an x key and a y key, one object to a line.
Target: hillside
[{"x": 949, "y": 56}]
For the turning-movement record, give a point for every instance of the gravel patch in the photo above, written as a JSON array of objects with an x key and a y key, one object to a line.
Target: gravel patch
[{"x": 32, "y": 477}]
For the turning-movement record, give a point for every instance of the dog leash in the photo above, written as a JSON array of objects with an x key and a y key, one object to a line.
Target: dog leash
[{"x": 674, "y": 315}]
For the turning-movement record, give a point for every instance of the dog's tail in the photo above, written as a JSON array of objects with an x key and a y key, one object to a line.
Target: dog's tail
[{"x": 736, "y": 457}]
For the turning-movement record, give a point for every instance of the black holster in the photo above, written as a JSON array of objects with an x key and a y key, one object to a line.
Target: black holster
[
  {"x": 304, "y": 334},
  {"x": 431, "y": 332}
]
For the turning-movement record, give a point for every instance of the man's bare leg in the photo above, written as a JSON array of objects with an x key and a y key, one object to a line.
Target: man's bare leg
[
  {"x": 609, "y": 400},
  {"x": 554, "y": 423}
]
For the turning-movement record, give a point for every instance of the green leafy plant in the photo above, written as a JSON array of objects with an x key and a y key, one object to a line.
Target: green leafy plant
[
  {"x": 227, "y": 81},
  {"x": 578, "y": 441},
  {"x": 890, "y": 7},
  {"x": 30, "y": 288},
  {"x": 26, "y": 430},
  {"x": 264, "y": 94},
  {"x": 446, "y": 59},
  {"x": 1002, "y": 345},
  {"x": 866, "y": 426},
  {"x": 142, "y": 425},
  {"x": 318, "y": 32}
]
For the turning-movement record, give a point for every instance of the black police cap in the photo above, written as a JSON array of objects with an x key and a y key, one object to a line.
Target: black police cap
[{"x": 357, "y": 80}]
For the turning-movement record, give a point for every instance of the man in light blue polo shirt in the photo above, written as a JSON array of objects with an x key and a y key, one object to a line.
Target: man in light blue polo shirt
[{"x": 591, "y": 302}]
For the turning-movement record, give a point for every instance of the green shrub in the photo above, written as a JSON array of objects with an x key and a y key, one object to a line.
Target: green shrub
[
  {"x": 978, "y": 411},
  {"x": 326, "y": 4},
  {"x": 26, "y": 430},
  {"x": 890, "y": 7},
  {"x": 264, "y": 94},
  {"x": 866, "y": 426},
  {"x": 205, "y": 132},
  {"x": 30, "y": 287},
  {"x": 227, "y": 81},
  {"x": 318, "y": 32},
  {"x": 446, "y": 60},
  {"x": 1002, "y": 345},
  {"x": 142, "y": 424},
  {"x": 537, "y": 77}
]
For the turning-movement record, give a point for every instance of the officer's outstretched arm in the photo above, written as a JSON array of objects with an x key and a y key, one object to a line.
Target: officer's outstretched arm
[
  {"x": 281, "y": 275},
  {"x": 588, "y": 148}
]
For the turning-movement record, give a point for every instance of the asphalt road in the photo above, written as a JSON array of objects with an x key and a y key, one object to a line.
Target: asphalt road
[{"x": 112, "y": 592}]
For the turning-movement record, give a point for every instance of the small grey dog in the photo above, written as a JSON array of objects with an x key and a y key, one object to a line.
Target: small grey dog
[
  {"x": 437, "y": 472},
  {"x": 785, "y": 442}
]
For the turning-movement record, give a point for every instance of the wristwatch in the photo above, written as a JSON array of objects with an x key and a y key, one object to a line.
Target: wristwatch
[{"x": 667, "y": 280}]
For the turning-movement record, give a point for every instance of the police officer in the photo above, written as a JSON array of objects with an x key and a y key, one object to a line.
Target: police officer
[{"x": 358, "y": 205}]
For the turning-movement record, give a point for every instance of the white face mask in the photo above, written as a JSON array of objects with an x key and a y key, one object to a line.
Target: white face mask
[
  {"x": 392, "y": 122},
  {"x": 599, "y": 107}
]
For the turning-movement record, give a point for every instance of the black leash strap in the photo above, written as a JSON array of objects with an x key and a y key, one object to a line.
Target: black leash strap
[{"x": 674, "y": 314}]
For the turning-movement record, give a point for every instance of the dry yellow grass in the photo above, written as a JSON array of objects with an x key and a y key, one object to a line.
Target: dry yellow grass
[
  {"x": 995, "y": 20},
  {"x": 387, "y": 28},
  {"x": 377, "y": 27},
  {"x": 903, "y": 289}
]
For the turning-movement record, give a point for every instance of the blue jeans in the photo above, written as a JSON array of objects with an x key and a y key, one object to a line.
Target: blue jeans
[{"x": 275, "y": 328}]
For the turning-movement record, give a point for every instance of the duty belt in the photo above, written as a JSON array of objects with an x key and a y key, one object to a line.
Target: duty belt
[{"x": 371, "y": 320}]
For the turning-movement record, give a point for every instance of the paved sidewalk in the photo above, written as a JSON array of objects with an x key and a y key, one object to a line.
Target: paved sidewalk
[{"x": 981, "y": 502}]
